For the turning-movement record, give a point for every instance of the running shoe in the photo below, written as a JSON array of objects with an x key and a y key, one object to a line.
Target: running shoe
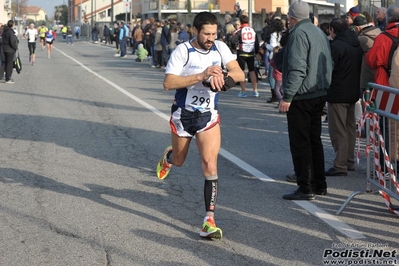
[
  {"x": 209, "y": 229},
  {"x": 163, "y": 167},
  {"x": 255, "y": 94},
  {"x": 242, "y": 95}
]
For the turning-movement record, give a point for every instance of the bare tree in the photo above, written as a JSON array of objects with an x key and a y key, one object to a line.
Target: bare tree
[{"x": 19, "y": 7}]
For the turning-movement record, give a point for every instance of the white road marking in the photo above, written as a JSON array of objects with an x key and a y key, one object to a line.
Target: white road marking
[{"x": 330, "y": 219}]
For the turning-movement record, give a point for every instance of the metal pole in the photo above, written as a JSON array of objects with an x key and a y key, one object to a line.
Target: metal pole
[
  {"x": 112, "y": 11},
  {"x": 159, "y": 10},
  {"x": 250, "y": 12},
  {"x": 91, "y": 13}
]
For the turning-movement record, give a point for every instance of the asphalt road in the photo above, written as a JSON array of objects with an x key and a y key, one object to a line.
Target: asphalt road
[{"x": 81, "y": 134}]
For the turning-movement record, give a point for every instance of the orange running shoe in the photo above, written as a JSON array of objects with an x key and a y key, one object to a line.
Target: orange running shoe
[
  {"x": 209, "y": 229},
  {"x": 163, "y": 167}
]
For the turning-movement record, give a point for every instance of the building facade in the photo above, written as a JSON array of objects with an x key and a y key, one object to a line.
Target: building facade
[{"x": 101, "y": 10}]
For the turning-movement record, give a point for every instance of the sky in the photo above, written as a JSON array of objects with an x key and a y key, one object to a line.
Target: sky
[{"x": 47, "y": 5}]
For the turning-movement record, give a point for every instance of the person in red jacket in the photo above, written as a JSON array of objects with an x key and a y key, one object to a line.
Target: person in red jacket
[{"x": 378, "y": 56}]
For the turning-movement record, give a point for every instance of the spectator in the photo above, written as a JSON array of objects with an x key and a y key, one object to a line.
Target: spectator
[
  {"x": 277, "y": 64},
  {"x": 69, "y": 35},
  {"x": 237, "y": 10},
  {"x": 307, "y": 68},
  {"x": 342, "y": 96},
  {"x": 380, "y": 15},
  {"x": 228, "y": 38},
  {"x": 158, "y": 45},
  {"x": 276, "y": 27},
  {"x": 352, "y": 14},
  {"x": 116, "y": 37},
  {"x": 165, "y": 44},
  {"x": 141, "y": 53},
  {"x": 227, "y": 21},
  {"x": 266, "y": 40},
  {"x": 148, "y": 32},
  {"x": 325, "y": 27},
  {"x": 123, "y": 37},
  {"x": 366, "y": 34},
  {"x": 10, "y": 47},
  {"x": 378, "y": 55},
  {"x": 64, "y": 32},
  {"x": 378, "y": 58},
  {"x": 106, "y": 32},
  {"x": 189, "y": 31},
  {"x": 183, "y": 35},
  {"x": 172, "y": 38},
  {"x": 94, "y": 33},
  {"x": 137, "y": 37},
  {"x": 76, "y": 30}
]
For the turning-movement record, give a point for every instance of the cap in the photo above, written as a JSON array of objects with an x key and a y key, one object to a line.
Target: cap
[
  {"x": 360, "y": 21},
  {"x": 237, "y": 4},
  {"x": 299, "y": 10},
  {"x": 188, "y": 25},
  {"x": 354, "y": 11}
]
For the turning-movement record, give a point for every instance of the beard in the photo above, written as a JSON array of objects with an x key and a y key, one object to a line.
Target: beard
[{"x": 203, "y": 44}]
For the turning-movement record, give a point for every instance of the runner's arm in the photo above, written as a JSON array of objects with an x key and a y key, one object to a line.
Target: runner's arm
[{"x": 173, "y": 82}]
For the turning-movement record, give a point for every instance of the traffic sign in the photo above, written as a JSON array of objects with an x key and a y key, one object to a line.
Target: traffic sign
[{"x": 127, "y": 6}]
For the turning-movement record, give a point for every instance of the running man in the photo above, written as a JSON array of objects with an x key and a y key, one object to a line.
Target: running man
[
  {"x": 195, "y": 71},
  {"x": 50, "y": 36},
  {"x": 42, "y": 35},
  {"x": 31, "y": 35}
]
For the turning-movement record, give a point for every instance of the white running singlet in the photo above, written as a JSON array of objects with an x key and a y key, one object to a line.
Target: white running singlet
[
  {"x": 187, "y": 60},
  {"x": 31, "y": 34}
]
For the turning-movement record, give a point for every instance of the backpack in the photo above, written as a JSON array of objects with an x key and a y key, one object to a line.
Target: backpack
[
  {"x": 394, "y": 75},
  {"x": 18, "y": 64},
  {"x": 395, "y": 43}
]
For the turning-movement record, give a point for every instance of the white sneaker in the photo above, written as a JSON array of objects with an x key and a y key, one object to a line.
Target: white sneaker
[{"x": 117, "y": 55}]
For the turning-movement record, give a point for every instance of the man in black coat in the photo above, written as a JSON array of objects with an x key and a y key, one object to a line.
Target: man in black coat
[
  {"x": 342, "y": 96},
  {"x": 10, "y": 47}
]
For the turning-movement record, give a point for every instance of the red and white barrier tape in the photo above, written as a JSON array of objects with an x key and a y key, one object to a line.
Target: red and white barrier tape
[{"x": 375, "y": 133}]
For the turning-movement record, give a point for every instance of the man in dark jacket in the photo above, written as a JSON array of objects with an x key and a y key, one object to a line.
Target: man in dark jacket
[
  {"x": 10, "y": 46},
  {"x": 106, "y": 34},
  {"x": 165, "y": 43},
  {"x": 307, "y": 67},
  {"x": 342, "y": 96}
]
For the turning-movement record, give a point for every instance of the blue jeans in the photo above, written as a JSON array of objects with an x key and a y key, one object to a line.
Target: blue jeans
[
  {"x": 123, "y": 46},
  {"x": 69, "y": 39},
  {"x": 272, "y": 81},
  {"x": 154, "y": 55},
  {"x": 94, "y": 37},
  {"x": 266, "y": 61}
]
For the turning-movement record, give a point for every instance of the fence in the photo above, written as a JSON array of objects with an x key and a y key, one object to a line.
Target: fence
[{"x": 381, "y": 119}]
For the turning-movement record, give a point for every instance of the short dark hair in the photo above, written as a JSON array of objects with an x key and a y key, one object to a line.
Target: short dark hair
[
  {"x": 339, "y": 25},
  {"x": 325, "y": 27},
  {"x": 244, "y": 19},
  {"x": 204, "y": 18},
  {"x": 10, "y": 23}
]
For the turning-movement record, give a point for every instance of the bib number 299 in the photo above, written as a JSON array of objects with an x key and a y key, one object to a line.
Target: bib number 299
[{"x": 200, "y": 101}]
